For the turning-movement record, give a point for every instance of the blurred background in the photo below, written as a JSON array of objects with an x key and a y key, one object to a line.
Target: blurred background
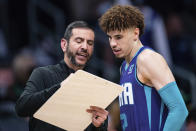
[{"x": 30, "y": 33}]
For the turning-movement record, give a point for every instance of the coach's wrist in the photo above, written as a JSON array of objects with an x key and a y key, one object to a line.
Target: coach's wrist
[{"x": 103, "y": 126}]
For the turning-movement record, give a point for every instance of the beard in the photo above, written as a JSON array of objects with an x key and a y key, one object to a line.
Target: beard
[{"x": 72, "y": 57}]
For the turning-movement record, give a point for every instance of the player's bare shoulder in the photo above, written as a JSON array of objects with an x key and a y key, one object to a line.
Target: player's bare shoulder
[
  {"x": 153, "y": 67},
  {"x": 150, "y": 58},
  {"x": 145, "y": 65}
]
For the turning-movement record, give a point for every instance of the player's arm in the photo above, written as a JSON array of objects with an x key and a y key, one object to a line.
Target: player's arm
[{"x": 154, "y": 71}]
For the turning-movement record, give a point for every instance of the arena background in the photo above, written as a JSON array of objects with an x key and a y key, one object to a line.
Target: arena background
[{"x": 30, "y": 33}]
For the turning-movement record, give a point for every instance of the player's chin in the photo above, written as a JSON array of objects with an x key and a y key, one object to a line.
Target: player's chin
[{"x": 119, "y": 56}]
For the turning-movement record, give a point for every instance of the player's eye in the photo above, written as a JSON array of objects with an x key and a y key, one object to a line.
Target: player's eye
[{"x": 118, "y": 37}]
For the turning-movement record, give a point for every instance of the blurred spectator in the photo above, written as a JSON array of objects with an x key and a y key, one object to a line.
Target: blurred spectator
[
  {"x": 9, "y": 121},
  {"x": 155, "y": 31},
  {"x": 6, "y": 80},
  {"x": 181, "y": 43},
  {"x": 22, "y": 66},
  {"x": 188, "y": 17}
]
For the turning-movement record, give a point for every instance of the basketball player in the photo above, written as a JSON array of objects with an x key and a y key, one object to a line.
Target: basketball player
[{"x": 151, "y": 100}]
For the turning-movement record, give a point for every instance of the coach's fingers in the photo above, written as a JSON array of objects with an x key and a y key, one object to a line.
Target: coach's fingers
[
  {"x": 99, "y": 109},
  {"x": 99, "y": 115},
  {"x": 97, "y": 120},
  {"x": 89, "y": 110}
]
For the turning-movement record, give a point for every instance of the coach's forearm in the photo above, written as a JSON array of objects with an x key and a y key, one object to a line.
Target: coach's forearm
[
  {"x": 29, "y": 102},
  {"x": 103, "y": 127}
]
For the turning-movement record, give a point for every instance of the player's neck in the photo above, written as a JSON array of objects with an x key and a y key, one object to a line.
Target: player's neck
[{"x": 133, "y": 51}]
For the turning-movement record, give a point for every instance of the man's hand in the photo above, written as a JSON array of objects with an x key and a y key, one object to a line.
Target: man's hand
[{"x": 99, "y": 115}]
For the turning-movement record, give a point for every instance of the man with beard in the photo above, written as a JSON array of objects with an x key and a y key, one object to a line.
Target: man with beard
[{"x": 77, "y": 45}]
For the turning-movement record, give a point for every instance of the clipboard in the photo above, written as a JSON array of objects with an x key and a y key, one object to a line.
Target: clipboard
[{"x": 66, "y": 108}]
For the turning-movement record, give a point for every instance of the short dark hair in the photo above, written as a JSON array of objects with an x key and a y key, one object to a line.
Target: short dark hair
[
  {"x": 121, "y": 17},
  {"x": 75, "y": 24}
]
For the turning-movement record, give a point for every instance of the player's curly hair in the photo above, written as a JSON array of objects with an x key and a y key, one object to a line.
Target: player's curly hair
[{"x": 121, "y": 17}]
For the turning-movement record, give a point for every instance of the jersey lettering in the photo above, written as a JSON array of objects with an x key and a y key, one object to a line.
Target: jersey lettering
[
  {"x": 126, "y": 97},
  {"x": 123, "y": 117}
]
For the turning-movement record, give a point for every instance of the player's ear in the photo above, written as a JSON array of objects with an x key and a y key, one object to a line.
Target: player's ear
[
  {"x": 64, "y": 44},
  {"x": 136, "y": 33}
]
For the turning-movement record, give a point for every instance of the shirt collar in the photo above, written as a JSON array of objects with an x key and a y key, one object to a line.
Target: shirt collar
[{"x": 65, "y": 67}]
